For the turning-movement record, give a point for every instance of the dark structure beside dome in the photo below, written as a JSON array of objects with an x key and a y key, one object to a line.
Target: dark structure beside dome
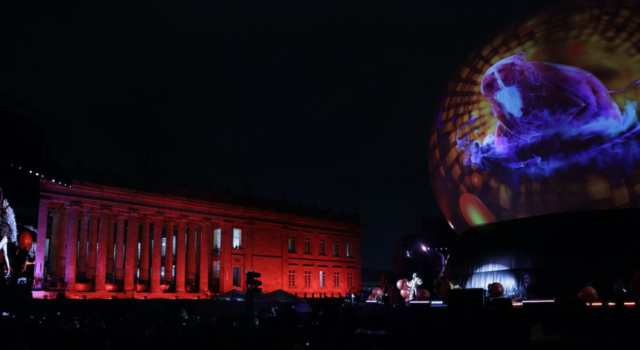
[{"x": 553, "y": 255}]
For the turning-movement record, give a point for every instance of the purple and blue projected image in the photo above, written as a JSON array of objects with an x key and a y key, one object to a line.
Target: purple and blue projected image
[
  {"x": 543, "y": 120},
  {"x": 551, "y": 116}
]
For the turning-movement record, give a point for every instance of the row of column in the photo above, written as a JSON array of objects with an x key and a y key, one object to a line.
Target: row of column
[{"x": 87, "y": 244}]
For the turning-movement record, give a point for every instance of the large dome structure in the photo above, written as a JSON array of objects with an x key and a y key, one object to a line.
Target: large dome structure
[{"x": 543, "y": 119}]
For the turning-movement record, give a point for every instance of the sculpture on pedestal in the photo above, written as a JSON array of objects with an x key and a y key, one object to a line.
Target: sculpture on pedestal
[
  {"x": 413, "y": 286},
  {"x": 409, "y": 288},
  {"x": 8, "y": 231},
  {"x": 18, "y": 256}
]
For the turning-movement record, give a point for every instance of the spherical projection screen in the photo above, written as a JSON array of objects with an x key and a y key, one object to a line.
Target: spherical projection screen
[{"x": 543, "y": 120}]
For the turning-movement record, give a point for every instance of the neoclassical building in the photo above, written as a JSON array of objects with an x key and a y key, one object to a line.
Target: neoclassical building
[{"x": 106, "y": 242}]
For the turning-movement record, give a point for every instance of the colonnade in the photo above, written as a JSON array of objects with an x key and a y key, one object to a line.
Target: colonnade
[{"x": 106, "y": 249}]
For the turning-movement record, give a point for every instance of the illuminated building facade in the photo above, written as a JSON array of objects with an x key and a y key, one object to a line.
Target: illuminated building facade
[{"x": 109, "y": 242}]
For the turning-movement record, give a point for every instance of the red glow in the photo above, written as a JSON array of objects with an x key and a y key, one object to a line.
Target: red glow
[
  {"x": 83, "y": 287},
  {"x": 25, "y": 241},
  {"x": 111, "y": 287}
]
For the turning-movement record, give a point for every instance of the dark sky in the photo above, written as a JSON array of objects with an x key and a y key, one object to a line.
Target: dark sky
[{"x": 324, "y": 105}]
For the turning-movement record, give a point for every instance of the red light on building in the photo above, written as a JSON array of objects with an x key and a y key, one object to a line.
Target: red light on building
[
  {"x": 131, "y": 244},
  {"x": 25, "y": 240}
]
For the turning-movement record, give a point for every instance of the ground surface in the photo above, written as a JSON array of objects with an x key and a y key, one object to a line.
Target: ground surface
[{"x": 116, "y": 324}]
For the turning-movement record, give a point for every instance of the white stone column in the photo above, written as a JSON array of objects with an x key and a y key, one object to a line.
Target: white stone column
[
  {"x": 156, "y": 258},
  {"x": 205, "y": 260},
  {"x": 58, "y": 241},
  {"x": 180, "y": 258},
  {"x": 71, "y": 248},
  {"x": 93, "y": 244},
  {"x": 120, "y": 250},
  {"x": 168, "y": 259},
  {"x": 130, "y": 254},
  {"x": 101, "y": 256},
  {"x": 83, "y": 239},
  {"x": 145, "y": 252},
  {"x": 191, "y": 254}
]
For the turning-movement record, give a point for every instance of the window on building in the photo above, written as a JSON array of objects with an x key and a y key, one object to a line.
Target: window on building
[
  {"x": 292, "y": 245},
  {"x": 237, "y": 238},
  {"x": 217, "y": 241},
  {"x": 307, "y": 246},
  {"x": 347, "y": 250},
  {"x": 336, "y": 280},
  {"x": 216, "y": 269},
  {"x": 307, "y": 279},
  {"x": 151, "y": 246},
  {"x": 321, "y": 281},
  {"x": 292, "y": 279},
  {"x": 174, "y": 244},
  {"x": 114, "y": 255},
  {"x": 336, "y": 248},
  {"x": 349, "y": 280},
  {"x": 163, "y": 246},
  {"x": 322, "y": 248},
  {"x": 112, "y": 237},
  {"x": 236, "y": 277}
]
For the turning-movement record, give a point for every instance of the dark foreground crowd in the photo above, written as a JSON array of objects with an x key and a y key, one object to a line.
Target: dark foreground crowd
[{"x": 329, "y": 324}]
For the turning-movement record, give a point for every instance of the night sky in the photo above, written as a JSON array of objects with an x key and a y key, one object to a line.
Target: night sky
[{"x": 325, "y": 105}]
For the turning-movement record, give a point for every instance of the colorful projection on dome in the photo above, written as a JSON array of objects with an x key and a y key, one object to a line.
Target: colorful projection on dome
[{"x": 543, "y": 120}]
